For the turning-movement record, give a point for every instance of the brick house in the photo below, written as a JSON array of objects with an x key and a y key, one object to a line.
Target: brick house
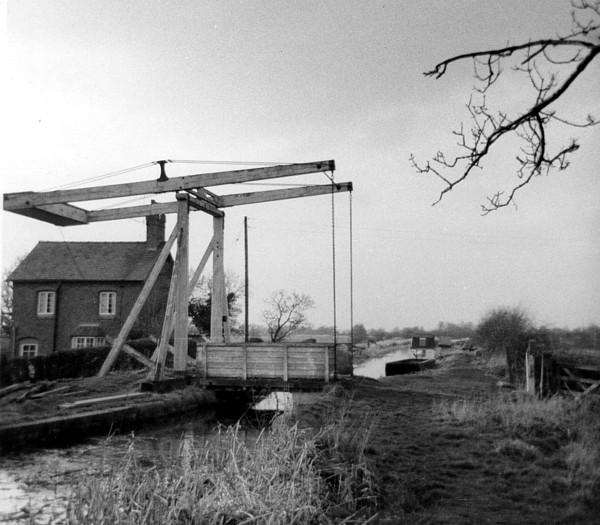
[{"x": 73, "y": 294}]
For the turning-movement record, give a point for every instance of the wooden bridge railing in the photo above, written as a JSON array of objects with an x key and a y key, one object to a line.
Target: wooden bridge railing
[{"x": 285, "y": 361}]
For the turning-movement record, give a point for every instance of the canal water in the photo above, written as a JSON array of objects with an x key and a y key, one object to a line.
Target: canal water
[{"x": 38, "y": 480}]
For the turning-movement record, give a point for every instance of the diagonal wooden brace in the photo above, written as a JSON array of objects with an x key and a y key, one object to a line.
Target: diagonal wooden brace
[{"x": 138, "y": 305}]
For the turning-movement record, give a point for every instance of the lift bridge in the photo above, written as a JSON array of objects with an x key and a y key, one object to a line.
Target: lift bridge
[{"x": 220, "y": 363}]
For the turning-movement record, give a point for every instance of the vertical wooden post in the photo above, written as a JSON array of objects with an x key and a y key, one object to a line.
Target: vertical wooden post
[
  {"x": 160, "y": 353},
  {"x": 205, "y": 355},
  {"x": 245, "y": 363},
  {"x": 285, "y": 362},
  {"x": 226, "y": 324},
  {"x": 169, "y": 323},
  {"x": 246, "y": 314},
  {"x": 326, "y": 363},
  {"x": 181, "y": 297},
  {"x": 217, "y": 310},
  {"x": 529, "y": 376},
  {"x": 541, "y": 387}
]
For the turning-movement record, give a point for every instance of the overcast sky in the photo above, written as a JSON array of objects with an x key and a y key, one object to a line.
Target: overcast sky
[{"x": 97, "y": 86}]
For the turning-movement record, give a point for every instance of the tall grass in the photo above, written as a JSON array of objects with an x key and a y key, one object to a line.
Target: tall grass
[
  {"x": 569, "y": 427},
  {"x": 284, "y": 476}
]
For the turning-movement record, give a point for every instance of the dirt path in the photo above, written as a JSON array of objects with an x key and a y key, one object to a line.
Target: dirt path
[{"x": 433, "y": 471}]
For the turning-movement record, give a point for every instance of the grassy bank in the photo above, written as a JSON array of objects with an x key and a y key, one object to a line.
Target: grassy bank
[
  {"x": 285, "y": 475},
  {"x": 564, "y": 430}
]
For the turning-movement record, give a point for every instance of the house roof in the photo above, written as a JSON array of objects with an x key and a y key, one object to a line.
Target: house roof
[{"x": 86, "y": 261}]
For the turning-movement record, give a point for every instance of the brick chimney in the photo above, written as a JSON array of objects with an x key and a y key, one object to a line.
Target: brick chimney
[{"x": 155, "y": 231}]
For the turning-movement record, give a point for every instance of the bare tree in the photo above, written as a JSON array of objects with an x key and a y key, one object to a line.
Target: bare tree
[
  {"x": 551, "y": 66},
  {"x": 286, "y": 313},
  {"x": 6, "y": 312},
  {"x": 7, "y": 305}
]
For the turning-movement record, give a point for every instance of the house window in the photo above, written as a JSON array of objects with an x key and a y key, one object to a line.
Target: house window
[
  {"x": 87, "y": 342},
  {"x": 422, "y": 342},
  {"x": 46, "y": 302},
  {"x": 108, "y": 303},
  {"x": 28, "y": 349}
]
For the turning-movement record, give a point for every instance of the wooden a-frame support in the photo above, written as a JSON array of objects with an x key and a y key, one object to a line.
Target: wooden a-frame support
[{"x": 191, "y": 191}]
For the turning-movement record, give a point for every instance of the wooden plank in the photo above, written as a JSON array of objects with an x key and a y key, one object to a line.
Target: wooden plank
[
  {"x": 181, "y": 292},
  {"x": 169, "y": 322},
  {"x": 590, "y": 389},
  {"x": 326, "y": 367},
  {"x": 137, "y": 355},
  {"x": 240, "y": 199},
  {"x": 58, "y": 214},
  {"x": 217, "y": 309},
  {"x": 138, "y": 305},
  {"x": 200, "y": 268},
  {"x": 130, "y": 212},
  {"x": 160, "y": 353},
  {"x": 101, "y": 400},
  {"x": 207, "y": 207},
  {"x": 306, "y": 374},
  {"x": 132, "y": 352},
  {"x": 529, "y": 372},
  {"x": 144, "y": 210},
  {"x": 583, "y": 380},
  {"x": 224, "y": 372},
  {"x": 14, "y": 388},
  {"x": 225, "y": 364},
  {"x": 50, "y": 392},
  {"x": 307, "y": 366},
  {"x": 245, "y": 363},
  {"x": 16, "y": 201},
  {"x": 285, "y": 363},
  {"x": 225, "y": 356}
]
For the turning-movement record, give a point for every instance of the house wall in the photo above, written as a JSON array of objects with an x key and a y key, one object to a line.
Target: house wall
[
  {"x": 78, "y": 303},
  {"x": 27, "y": 322}
]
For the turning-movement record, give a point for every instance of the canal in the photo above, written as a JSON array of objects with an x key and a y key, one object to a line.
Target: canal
[{"x": 36, "y": 482}]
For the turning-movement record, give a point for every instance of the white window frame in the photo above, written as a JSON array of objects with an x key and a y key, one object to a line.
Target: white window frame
[
  {"x": 85, "y": 341},
  {"x": 28, "y": 349},
  {"x": 46, "y": 303},
  {"x": 107, "y": 304}
]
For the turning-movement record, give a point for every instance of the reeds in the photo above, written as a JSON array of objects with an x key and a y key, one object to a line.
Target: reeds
[{"x": 284, "y": 476}]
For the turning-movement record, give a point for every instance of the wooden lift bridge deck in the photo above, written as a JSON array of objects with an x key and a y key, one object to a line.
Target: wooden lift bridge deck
[{"x": 221, "y": 363}]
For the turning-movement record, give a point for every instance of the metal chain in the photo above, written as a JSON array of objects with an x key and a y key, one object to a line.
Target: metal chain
[
  {"x": 333, "y": 273},
  {"x": 351, "y": 279}
]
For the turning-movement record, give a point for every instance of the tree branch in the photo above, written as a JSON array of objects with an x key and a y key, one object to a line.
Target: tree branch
[{"x": 550, "y": 83}]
